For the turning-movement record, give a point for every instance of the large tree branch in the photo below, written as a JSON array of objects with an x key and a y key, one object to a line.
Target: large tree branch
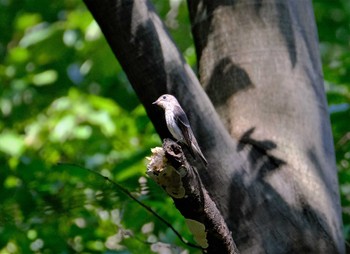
[
  {"x": 265, "y": 55},
  {"x": 154, "y": 66}
]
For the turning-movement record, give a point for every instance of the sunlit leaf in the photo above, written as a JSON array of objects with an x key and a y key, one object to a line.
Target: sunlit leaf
[
  {"x": 45, "y": 78},
  {"x": 37, "y": 34},
  {"x": 27, "y": 20},
  {"x": 11, "y": 143},
  {"x": 19, "y": 54}
]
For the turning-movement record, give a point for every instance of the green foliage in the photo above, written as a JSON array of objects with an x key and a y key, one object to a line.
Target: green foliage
[
  {"x": 333, "y": 19},
  {"x": 65, "y": 99}
]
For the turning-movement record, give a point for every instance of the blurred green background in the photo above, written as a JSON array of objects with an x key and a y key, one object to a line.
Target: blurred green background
[{"x": 65, "y": 99}]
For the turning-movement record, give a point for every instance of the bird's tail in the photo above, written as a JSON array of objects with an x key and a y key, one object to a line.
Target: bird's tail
[{"x": 198, "y": 151}]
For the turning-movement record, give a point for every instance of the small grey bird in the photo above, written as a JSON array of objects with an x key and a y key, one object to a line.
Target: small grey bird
[{"x": 178, "y": 124}]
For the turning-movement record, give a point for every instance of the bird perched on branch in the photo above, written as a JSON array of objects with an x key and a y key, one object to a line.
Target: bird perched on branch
[{"x": 178, "y": 124}]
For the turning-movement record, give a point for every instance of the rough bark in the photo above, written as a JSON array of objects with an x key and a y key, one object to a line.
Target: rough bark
[
  {"x": 271, "y": 166},
  {"x": 268, "y": 63}
]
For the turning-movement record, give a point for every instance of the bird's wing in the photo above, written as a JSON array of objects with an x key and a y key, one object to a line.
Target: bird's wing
[{"x": 184, "y": 125}]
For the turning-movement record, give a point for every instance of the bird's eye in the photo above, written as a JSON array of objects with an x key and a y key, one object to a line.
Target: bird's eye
[{"x": 164, "y": 97}]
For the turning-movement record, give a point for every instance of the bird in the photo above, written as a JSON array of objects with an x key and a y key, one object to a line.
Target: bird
[{"x": 178, "y": 124}]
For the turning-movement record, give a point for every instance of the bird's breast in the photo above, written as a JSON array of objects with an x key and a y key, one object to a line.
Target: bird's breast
[{"x": 172, "y": 125}]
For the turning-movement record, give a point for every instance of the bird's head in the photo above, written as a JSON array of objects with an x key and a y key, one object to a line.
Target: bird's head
[{"x": 166, "y": 101}]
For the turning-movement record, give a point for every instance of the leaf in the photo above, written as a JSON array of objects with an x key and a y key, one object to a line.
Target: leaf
[
  {"x": 45, "y": 78},
  {"x": 11, "y": 143}
]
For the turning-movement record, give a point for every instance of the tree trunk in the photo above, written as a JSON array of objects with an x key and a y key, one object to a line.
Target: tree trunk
[{"x": 264, "y": 128}]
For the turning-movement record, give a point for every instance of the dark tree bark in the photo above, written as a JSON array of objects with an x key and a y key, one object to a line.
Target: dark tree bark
[{"x": 261, "y": 117}]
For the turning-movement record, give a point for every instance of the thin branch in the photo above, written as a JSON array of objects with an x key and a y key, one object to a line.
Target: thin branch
[{"x": 149, "y": 209}]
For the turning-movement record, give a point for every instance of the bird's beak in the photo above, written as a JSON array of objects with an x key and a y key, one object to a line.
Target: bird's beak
[{"x": 156, "y": 102}]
